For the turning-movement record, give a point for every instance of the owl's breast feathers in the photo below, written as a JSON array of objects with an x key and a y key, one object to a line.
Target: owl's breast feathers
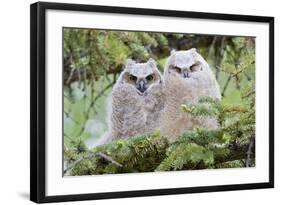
[
  {"x": 133, "y": 114},
  {"x": 185, "y": 91}
]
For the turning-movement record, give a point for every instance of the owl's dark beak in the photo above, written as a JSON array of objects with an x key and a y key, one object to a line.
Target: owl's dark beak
[
  {"x": 186, "y": 74},
  {"x": 141, "y": 86}
]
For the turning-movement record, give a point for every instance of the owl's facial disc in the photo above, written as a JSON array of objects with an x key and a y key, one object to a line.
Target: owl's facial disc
[
  {"x": 140, "y": 83},
  {"x": 184, "y": 71},
  {"x": 142, "y": 76},
  {"x": 144, "y": 83}
]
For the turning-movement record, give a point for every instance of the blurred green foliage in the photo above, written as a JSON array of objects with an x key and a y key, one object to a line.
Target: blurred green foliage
[{"x": 92, "y": 61}]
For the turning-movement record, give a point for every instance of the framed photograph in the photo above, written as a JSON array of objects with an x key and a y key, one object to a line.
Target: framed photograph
[{"x": 129, "y": 102}]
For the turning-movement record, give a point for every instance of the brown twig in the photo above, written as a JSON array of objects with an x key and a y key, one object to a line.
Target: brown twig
[
  {"x": 226, "y": 85},
  {"x": 108, "y": 158}
]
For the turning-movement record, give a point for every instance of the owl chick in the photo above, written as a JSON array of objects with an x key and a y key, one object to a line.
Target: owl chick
[
  {"x": 187, "y": 77},
  {"x": 137, "y": 100}
]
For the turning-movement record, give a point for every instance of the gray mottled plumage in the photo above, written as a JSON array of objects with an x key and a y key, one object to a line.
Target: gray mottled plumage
[
  {"x": 137, "y": 101},
  {"x": 187, "y": 77}
]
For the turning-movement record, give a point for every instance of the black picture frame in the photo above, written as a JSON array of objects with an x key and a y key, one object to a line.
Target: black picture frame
[{"x": 38, "y": 101}]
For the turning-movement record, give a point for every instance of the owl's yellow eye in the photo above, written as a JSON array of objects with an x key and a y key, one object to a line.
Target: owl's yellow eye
[
  {"x": 132, "y": 78},
  {"x": 150, "y": 77}
]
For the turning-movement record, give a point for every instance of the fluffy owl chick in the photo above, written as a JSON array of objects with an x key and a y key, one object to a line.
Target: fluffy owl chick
[
  {"x": 187, "y": 77},
  {"x": 137, "y": 100}
]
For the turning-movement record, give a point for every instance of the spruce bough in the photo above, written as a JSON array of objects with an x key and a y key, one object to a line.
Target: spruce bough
[{"x": 230, "y": 146}]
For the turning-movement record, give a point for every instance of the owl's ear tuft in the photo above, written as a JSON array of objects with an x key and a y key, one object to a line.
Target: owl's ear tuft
[
  {"x": 172, "y": 51},
  {"x": 130, "y": 62},
  {"x": 151, "y": 62},
  {"x": 193, "y": 50}
]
